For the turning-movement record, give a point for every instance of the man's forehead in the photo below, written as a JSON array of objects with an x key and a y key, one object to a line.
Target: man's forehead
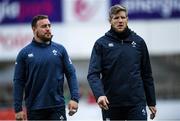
[
  {"x": 43, "y": 21},
  {"x": 120, "y": 13}
]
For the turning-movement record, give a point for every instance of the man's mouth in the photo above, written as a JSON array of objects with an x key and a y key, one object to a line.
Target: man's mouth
[
  {"x": 120, "y": 26},
  {"x": 48, "y": 33}
]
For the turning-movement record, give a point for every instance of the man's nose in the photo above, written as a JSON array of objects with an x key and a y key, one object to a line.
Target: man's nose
[
  {"x": 120, "y": 19},
  {"x": 47, "y": 26}
]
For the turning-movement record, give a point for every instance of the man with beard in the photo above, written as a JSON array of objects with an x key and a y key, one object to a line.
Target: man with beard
[
  {"x": 39, "y": 72},
  {"x": 120, "y": 73}
]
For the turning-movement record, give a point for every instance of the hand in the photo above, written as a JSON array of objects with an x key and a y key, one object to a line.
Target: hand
[
  {"x": 103, "y": 102},
  {"x": 153, "y": 112},
  {"x": 72, "y": 106},
  {"x": 20, "y": 116}
]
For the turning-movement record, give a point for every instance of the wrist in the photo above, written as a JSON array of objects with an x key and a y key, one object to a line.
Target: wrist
[{"x": 76, "y": 100}]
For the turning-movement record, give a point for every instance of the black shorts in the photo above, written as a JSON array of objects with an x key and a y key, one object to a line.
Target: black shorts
[
  {"x": 125, "y": 113},
  {"x": 57, "y": 113}
]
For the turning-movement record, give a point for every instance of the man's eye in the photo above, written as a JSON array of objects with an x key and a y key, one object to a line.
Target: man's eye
[
  {"x": 116, "y": 18},
  {"x": 123, "y": 17},
  {"x": 45, "y": 26}
]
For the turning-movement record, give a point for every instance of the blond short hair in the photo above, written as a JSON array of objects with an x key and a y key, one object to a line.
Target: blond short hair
[{"x": 116, "y": 9}]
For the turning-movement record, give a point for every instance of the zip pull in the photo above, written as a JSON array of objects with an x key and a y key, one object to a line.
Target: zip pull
[{"x": 122, "y": 42}]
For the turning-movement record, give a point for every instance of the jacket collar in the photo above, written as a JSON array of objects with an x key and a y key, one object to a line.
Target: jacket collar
[{"x": 125, "y": 35}]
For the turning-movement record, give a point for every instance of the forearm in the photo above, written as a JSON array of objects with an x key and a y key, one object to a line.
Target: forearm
[
  {"x": 150, "y": 91},
  {"x": 18, "y": 96},
  {"x": 96, "y": 85},
  {"x": 74, "y": 87}
]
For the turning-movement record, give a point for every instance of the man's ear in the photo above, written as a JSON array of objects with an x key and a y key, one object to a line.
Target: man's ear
[
  {"x": 33, "y": 28},
  {"x": 109, "y": 19}
]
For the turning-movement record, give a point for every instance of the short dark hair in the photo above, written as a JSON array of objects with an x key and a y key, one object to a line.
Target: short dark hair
[
  {"x": 115, "y": 9},
  {"x": 37, "y": 18}
]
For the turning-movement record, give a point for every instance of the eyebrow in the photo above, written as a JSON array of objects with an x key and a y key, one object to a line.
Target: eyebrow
[{"x": 45, "y": 25}]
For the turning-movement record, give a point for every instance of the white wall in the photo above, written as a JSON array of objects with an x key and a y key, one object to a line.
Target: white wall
[
  {"x": 162, "y": 37},
  {"x": 84, "y": 21}
]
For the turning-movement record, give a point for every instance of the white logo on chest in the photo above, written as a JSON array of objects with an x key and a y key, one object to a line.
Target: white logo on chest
[
  {"x": 111, "y": 45},
  {"x": 133, "y": 44},
  {"x": 54, "y": 52},
  {"x": 30, "y": 55}
]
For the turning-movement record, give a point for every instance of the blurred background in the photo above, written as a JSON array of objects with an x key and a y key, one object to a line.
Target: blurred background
[{"x": 77, "y": 24}]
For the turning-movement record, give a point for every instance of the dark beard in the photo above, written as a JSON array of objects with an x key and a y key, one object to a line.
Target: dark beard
[{"x": 43, "y": 38}]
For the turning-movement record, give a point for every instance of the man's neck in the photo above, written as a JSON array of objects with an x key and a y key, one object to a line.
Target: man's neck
[{"x": 40, "y": 41}]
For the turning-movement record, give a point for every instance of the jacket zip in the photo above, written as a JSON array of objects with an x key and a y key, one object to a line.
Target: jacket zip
[{"x": 122, "y": 42}]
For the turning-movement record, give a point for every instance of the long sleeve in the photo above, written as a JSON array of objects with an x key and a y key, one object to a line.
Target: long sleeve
[
  {"x": 95, "y": 71},
  {"x": 19, "y": 82},
  {"x": 71, "y": 77},
  {"x": 147, "y": 77}
]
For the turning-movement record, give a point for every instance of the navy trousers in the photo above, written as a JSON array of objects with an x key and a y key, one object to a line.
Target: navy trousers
[
  {"x": 57, "y": 113},
  {"x": 125, "y": 113}
]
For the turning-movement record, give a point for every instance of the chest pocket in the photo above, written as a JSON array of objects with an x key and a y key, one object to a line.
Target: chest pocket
[
  {"x": 55, "y": 58},
  {"x": 133, "y": 53},
  {"x": 111, "y": 54},
  {"x": 33, "y": 60}
]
